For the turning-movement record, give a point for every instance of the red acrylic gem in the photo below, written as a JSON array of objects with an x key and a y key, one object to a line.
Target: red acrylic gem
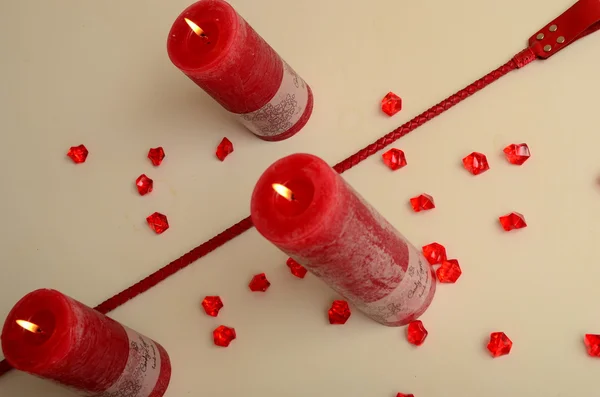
[
  {"x": 339, "y": 312},
  {"x": 144, "y": 184},
  {"x": 296, "y": 269},
  {"x": 158, "y": 222},
  {"x": 259, "y": 283},
  {"x": 404, "y": 395},
  {"x": 416, "y": 332},
  {"x": 223, "y": 336},
  {"x": 517, "y": 153},
  {"x": 434, "y": 253},
  {"x": 449, "y": 271},
  {"x": 391, "y": 104},
  {"x": 514, "y": 220},
  {"x": 394, "y": 159},
  {"x": 476, "y": 163},
  {"x": 78, "y": 154},
  {"x": 592, "y": 344},
  {"x": 224, "y": 148},
  {"x": 422, "y": 203},
  {"x": 156, "y": 155},
  {"x": 499, "y": 344},
  {"x": 212, "y": 305}
]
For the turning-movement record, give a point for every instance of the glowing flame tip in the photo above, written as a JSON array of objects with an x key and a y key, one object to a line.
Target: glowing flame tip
[
  {"x": 31, "y": 327},
  {"x": 197, "y": 29},
  {"x": 283, "y": 191}
]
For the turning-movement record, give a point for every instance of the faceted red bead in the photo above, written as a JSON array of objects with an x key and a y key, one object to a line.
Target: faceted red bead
[
  {"x": 259, "y": 283},
  {"x": 158, "y": 222},
  {"x": 224, "y": 148},
  {"x": 434, "y": 253},
  {"x": 339, "y": 312},
  {"x": 499, "y": 344},
  {"x": 144, "y": 184},
  {"x": 449, "y": 271},
  {"x": 156, "y": 155},
  {"x": 223, "y": 335},
  {"x": 391, "y": 104},
  {"x": 404, "y": 395},
  {"x": 517, "y": 153},
  {"x": 592, "y": 344},
  {"x": 422, "y": 203},
  {"x": 416, "y": 333},
  {"x": 394, "y": 159},
  {"x": 511, "y": 221},
  {"x": 476, "y": 163},
  {"x": 296, "y": 269},
  {"x": 212, "y": 305},
  {"x": 78, "y": 154}
]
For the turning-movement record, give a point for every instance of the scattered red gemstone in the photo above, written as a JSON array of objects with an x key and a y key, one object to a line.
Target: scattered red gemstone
[
  {"x": 156, "y": 155},
  {"x": 144, "y": 184},
  {"x": 449, "y": 271},
  {"x": 78, "y": 154},
  {"x": 223, "y": 335},
  {"x": 434, "y": 253},
  {"x": 517, "y": 154},
  {"x": 339, "y": 312},
  {"x": 476, "y": 163},
  {"x": 404, "y": 395},
  {"x": 514, "y": 220},
  {"x": 259, "y": 283},
  {"x": 224, "y": 149},
  {"x": 422, "y": 203},
  {"x": 592, "y": 344},
  {"x": 394, "y": 159},
  {"x": 296, "y": 269},
  {"x": 416, "y": 333},
  {"x": 499, "y": 344},
  {"x": 212, "y": 305},
  {"x": 391, "y": 104},
  {"x": 158, "y": 222}
]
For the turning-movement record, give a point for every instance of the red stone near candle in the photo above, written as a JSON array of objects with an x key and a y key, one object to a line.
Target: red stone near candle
[
  {"x": 517, "y": 154},
  {"x": 416, "y": 333},
  {"x": 144, "y": 184},
  {"x": 476, "y": 163},
  {"x": 511, "y": 221},
  {"x": 158, "y": 222},
  {"x": 223, "y": 336},
  {"x": 394, "y": 159},
  {"x": 449, "y": 271},
  {"x": 78, "y": 154},
  {"x": 224, "y": 149},
  {"x": 592, "y": 345},
  {"x": 296, "y": 269},
  {"x": 434, "y": 253},
  {"x": 499, "y": 345},
  {"x": 219, "y": 51},
  {"x": 391, "y": 104},
  {"x": 259, "y": 283},
  {"x": 212, "y": 305},
  {"x": 308, "y": 211},
  {"x": 339, "y": 312},
  {"x": 156, "y": 155},
  {"x": 423, "y": 202},
  {"x": 78, "y": 347}
]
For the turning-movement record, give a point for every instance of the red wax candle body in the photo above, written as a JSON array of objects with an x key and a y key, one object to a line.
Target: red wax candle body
[
  {"x": 334, "y": 233},
  {"x": 235, "y": 66},
  {"x": 83, "y": 349}
]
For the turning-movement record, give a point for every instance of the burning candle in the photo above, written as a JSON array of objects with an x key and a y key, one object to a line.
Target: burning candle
[
  {"x": 56, "y": 337},
  {"x": 309, "y": 212},
  {"x": 217, "y": 49}
]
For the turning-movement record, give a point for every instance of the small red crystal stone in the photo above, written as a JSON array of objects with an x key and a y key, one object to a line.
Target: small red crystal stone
[
  {"x": 158, "y": 222},
  {"x": 223, "y": 335},
  {"x": 416, "y": 333},
  {"x": 434, "y": 253},
  {"x": 224, "y": 149},
  {"x": 394, "y": 159},
  {"x": 259, "y": 283},
  {"x": 592, "y": 344},
  {"x": 511, "y": 221},
  {"x": 476, "y": 163},
  {"x": 517, "y": 154},
  {"x": 391, "y": 104},
  {"x": 499, "y": 344},
  {"x": 212, "y": 305},
  {"x": 78, "y": 154},
  {"x": 296, "y": 269},
  {"x": 404, "y": 395},
  {"x": 339, "y": 312},
  {"x": 422, "y": 203},
  {"x": 449, "y": 271},
  {"x": 156, "y": 155},
  {"x": 144, "y": 184}
]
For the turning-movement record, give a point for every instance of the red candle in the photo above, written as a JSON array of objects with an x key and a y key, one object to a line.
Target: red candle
[
  {"x": 308, "y": 211},
  {"x": 216, "y": 48},
  {"x": 56, "y": 337}
]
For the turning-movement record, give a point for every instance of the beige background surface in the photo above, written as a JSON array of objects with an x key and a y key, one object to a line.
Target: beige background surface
[{"x": 97, "y": 73}]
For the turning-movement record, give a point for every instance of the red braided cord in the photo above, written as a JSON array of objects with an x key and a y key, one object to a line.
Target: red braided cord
[{"x": 520, "y": 60}]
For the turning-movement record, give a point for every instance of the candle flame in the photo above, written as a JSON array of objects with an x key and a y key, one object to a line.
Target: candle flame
[
  {"x": 283, "y": 191},
  {"x": 31, "y": 327},
  {"x": 197, "y": 29}
]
